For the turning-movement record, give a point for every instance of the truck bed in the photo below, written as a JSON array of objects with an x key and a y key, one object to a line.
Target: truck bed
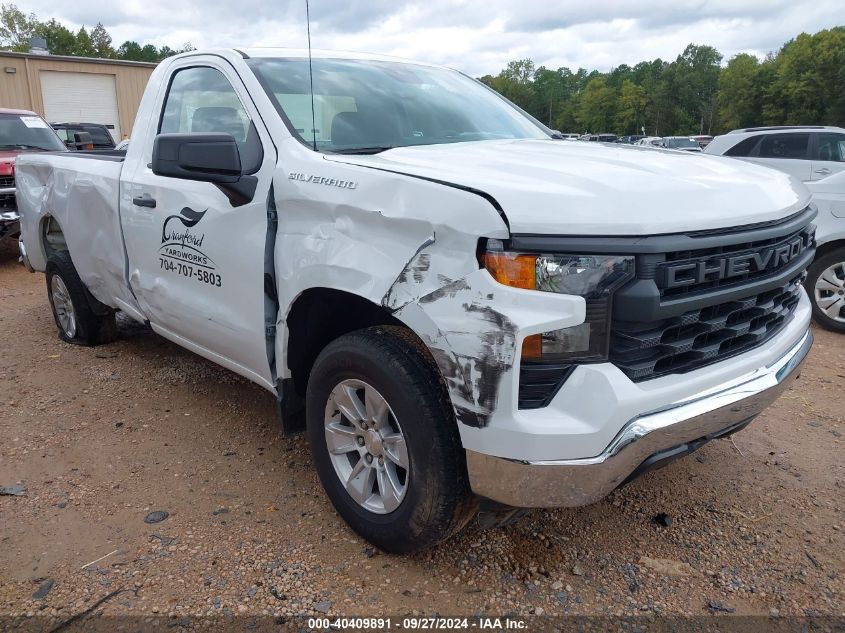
[{"x": 74, "y": 198}]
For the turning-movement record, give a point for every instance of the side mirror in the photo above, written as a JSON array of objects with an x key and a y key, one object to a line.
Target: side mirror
[{"x": 204, "y": 157}]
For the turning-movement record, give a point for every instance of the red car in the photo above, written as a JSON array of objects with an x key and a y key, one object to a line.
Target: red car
[{"x": 20, "y": 131}]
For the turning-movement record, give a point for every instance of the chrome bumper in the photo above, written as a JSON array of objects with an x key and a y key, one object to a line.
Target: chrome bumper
[{"x": 577, "y": 482}]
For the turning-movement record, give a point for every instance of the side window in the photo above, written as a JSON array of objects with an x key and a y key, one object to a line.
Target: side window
[
  {"x": 202, "y": 100},
  {"x": 745, "y": 147},
  {"x": 784, "y": 146},
  {"x": 831, "y": 147}
]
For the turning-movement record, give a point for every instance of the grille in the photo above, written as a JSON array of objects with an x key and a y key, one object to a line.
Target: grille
[
  {"x": 703, "y": 336},
  {"x": 7, "y": 200},
  {"x": 539, "y": 382},
  {"x": 712, "y": 258},
  {"x": 696, "y": 299}
]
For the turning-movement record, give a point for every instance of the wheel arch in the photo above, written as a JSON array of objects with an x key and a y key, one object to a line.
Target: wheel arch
[
  {"x": 317, "y": 317},
  {"x": 51, "y": 236},
  {"x": 829, "y": 247}
]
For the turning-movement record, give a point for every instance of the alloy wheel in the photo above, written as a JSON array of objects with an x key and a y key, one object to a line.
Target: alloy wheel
[
  {"x": 366, "y": 446},
  {"x": 63, "y": 306}
]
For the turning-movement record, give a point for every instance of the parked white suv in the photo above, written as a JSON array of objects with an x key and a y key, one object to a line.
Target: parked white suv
[
  {"x": 808, "y": 152},
  {"x": 816, "y": 155},
  {"x": 826, "y": 280}
]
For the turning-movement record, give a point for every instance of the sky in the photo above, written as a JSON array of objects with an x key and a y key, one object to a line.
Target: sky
[{"x": 476, "y": 36}]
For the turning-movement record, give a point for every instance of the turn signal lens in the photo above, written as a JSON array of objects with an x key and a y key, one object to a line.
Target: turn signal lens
[
  {"x": 532, "y": 347},
  {"x": 511, "y": 269}
]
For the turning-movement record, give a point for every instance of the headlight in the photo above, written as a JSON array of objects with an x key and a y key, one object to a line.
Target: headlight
[{"x": 594, "y": 277}]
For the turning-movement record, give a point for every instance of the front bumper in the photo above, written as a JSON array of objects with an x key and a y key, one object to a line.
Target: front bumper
[
  {"x": 663, "y": 432},
  {"x": 10, "y": 223}
]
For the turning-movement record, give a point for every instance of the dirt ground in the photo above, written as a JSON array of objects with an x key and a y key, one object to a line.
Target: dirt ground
[{"x": 101, "y": 437}]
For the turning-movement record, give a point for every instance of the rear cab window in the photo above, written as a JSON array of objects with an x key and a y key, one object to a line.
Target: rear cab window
[{"x": 100, "y": 136}]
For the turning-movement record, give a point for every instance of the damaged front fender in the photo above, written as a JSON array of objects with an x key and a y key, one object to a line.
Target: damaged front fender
[{"x": 474, "y": 328}]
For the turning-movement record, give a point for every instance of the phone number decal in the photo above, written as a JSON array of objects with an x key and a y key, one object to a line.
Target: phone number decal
[{"x": 202, "y": 275}]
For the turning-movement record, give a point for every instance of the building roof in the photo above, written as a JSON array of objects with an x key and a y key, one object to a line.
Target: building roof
[
  {"x": 71, "y": 58},
  {"x": 13, "y": 111}
]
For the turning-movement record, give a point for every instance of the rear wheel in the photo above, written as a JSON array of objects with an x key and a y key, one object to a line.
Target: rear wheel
[
  {"x": 385, "y": 442},
  {"x": 71, "y": 305},
  {"x": 826, "y": 286}
]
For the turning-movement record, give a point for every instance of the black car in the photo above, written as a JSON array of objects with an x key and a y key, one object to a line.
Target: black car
[
  {"x": 603, "y": 138},
  {"x": 100, "y": 136},
  {"x": 633, "y": 139}
]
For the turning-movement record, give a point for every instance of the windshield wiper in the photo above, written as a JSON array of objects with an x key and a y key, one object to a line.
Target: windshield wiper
[{"x": 363, "y": 150}]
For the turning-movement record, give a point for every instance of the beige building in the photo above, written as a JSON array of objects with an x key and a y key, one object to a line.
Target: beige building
[{"x": 76, "y": 89}]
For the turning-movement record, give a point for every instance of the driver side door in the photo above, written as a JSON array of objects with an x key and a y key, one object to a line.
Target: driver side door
[{"x": 196, "y": 252}]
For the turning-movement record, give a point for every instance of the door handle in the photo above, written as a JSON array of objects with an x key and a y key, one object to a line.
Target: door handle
[
  {"x": 824, "y": 171},
  {"x": 144, "y": 201}
]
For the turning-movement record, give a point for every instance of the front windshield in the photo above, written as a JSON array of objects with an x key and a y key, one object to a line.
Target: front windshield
[
  {"x": 681, "y": 142},
  {"x": 27, "y": 131},
  {"x": 367, "y": 106}
]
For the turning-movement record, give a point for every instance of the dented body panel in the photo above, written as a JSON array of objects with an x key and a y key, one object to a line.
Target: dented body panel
[
  {"x": 82, "y": 196},
  {"x": 400, "y": 231}
]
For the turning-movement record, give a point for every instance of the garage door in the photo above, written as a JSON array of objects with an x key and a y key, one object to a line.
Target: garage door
[{"x": 80, "y": 98}]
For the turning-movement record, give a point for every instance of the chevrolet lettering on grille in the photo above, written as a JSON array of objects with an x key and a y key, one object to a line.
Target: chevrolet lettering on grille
[{"x": 718, "y": 268}]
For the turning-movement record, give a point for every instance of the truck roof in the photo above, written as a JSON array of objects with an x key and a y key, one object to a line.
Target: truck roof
[{"x": 303, "y": 52}]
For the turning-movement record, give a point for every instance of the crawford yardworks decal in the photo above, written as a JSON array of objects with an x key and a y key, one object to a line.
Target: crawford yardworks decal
[{"x": 181, "y": 248}]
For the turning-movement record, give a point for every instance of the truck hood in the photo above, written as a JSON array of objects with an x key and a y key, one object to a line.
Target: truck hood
[
  {"x": 7, "y": 162},
  {"x": 556, "y": 188}
]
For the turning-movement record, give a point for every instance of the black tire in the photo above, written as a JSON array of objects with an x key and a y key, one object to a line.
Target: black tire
[
  {"x": 818, "y": 267},
  {"x": 90, "y": 328},
  {"x": 438, "y": 501}
]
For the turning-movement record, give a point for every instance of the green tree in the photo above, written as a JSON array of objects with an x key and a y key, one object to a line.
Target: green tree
[
  {"x": 101, "y": 41},
  {"x": 129, "y": 50},
  {"x": 696, "y": 81},
  {"x": 739, "y": 92},
  {"x": 597, "y": 106},
  {"x": 632, "y": 103},
  {"x": 84, "y": 44},
  {"x": 807, "y": 79},
  {"x": 16, "y": 28},
  {"x": 60, "y": 39},
  {"x": 516, "y": 82}
]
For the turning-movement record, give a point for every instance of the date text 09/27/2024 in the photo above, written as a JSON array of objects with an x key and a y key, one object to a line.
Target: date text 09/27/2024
[{"x": 417, "y": 623}]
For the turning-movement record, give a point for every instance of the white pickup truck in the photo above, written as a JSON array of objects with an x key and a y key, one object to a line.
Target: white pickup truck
[{"x": 461, "y": 311}]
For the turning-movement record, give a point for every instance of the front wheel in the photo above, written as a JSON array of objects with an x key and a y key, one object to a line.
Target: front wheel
[
  {"x": 385, "y": 442},
  {"x": 826, "y": 286}
]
